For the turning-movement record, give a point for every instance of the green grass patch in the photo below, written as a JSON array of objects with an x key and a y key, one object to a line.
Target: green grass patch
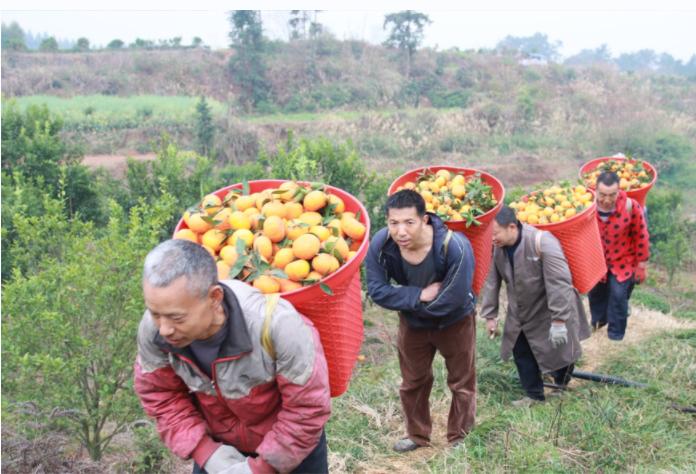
[
  {"x": 593, "y": 428},
  {"x": 103, "y": 112},
  {"x": 650, "y": 300}
]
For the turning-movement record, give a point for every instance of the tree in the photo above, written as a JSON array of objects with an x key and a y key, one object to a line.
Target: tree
[
  {"x": 196, "y": 42},
  {"x": 115, "y": 44},
  {"x": 49, "y": 45},
  {"x": 535, "y": 44},
  {"x": 298, "y": 24},
  {"x": 82, "y": 44},
  {"x": 13, "y": 37},
  {"x": 406, "y": 33},
  {"x": 204, "y": 128},
  {"x": 588, "y": 57},
  {"x": 643, "y": 60},
  {"x": 248, "y": 66}
]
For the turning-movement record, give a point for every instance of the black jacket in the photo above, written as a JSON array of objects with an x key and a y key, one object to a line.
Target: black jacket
[{"x": 387, "y": 284}]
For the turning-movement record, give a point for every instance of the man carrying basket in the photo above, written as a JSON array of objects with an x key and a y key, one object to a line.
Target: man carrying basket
[
  {"x": 416, "y": 266},
  {"x": 545, "y": 318}
]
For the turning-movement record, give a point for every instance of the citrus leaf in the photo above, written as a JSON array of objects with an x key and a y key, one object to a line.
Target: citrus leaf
[{"x": 326, "y": 289}]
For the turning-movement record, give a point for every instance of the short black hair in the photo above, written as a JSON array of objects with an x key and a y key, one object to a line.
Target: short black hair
[
  {"x": 506, "y": 216},
  {"x": 607, "y": 178},
  {"x": 404, "y": 199}
]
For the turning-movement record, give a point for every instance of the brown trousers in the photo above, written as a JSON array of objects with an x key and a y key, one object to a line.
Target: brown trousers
[{"x": 457, "y": 344}]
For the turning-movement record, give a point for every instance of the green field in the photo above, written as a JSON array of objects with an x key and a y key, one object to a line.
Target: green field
[{"x": 97, "y": 112}]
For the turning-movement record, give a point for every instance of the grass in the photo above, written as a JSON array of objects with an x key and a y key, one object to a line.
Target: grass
[
  {"x": 103, "y": 111},
  {"x": 594, "y": 428}
]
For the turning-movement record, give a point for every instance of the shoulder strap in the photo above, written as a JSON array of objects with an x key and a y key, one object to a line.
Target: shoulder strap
[
  {"x": 447, "y": 241},
  {"x": 629, "y": 204},
  {"x": 537, "y": 242},
  {"x": 266, "y": 341}
]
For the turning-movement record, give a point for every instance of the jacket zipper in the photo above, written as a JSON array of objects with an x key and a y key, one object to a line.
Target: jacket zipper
[{"x": 242, "y": 428}]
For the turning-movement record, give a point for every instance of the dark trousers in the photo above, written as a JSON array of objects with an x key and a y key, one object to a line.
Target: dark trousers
[
  {"x": 316, "y": 462},
  {"x": 417, "y": 347},
  {"x": 609, "y": 305},
  {"x": 528, "y": 370}
]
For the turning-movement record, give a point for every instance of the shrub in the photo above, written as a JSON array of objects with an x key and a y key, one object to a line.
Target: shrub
[{"x": 650, "y": 300}]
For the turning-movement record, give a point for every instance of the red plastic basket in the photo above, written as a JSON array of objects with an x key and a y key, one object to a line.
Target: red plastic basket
[
  {"x": 337, "y": 317},
  {"x": 480, "y": 236},
  {"x": 639, "y": 194},
  {"x": 582, "y": 245}
]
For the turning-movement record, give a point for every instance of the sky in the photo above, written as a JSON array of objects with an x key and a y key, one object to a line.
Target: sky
[{"x": 625, "y": 26}]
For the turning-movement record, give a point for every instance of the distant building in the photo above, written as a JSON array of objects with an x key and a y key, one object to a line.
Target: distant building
[{"x": 534, "y": 59}]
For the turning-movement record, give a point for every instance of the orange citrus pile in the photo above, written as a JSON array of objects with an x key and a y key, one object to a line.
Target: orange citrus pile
[
  {"x": 278, "y": 239},
  {"x": 632, "y": 174},
  {"x": 553, "y": 204},
  {"x": 453, "y": 196}
]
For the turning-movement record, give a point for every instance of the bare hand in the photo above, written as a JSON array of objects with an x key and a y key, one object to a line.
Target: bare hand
[
  {"x": 430, "y": 292},
  {"x": 492, "y": 327}
]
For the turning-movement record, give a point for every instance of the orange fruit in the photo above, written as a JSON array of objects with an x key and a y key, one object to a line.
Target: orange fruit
[
  {"x": 274, "y": 208},
  {"x": 311, "y": 218},
  {"x": 194, "y": 221},
  {"x": 239, "y": 220},
  {"x": 325, "y": 263},
  {"x": 340, "y": 205},
  {"x": 211, "y": 204},
  {"x": 222, "y": 217},
  {"x": 186, "y": 234},
  {"x": 337, "y": 243},
  {"x": 288, "y": 285},
  {"x": 293, "y": 210},
  {"x": 214, "y": 238},
  {"x": 314, "y": 200},
  {"x": 335, "y": 224},
  {"x": 274, "y": 228},
  {"x": 314, "y": 275},
  {"x": 297, "y": 228},
  {"x": 263, "y": 246},
  {"x": 297, "y": 270},
  {"x": 263, "y": 197},
  {"x": 320, "y": 231},
  {"x": 291, "y": 186},
  {"x": 282, "y": 258},
  {"x": 228, "y": 254},
  {"x": 352, "y": 254},
  {"x": 244, "y": 202},
  {"x": 306, "y": 246},
  {"x": 267, "y": 284},
  {"x": 353, "y": 228},
  {"x": 210, "y": 251},
  {"x": 223, "y": 270},
  {"x": 244, "y": 234}
]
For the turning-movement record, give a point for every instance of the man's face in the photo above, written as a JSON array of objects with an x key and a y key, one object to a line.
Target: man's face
[
  {"x": 406, "y": 226},
  {"x": 606, "y": 196},
  {"x": 180, "y": 315},
  {"x": 504, "y": 236}
]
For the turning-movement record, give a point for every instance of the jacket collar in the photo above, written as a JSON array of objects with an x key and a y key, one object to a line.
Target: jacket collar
[{"x": 237, "y": 341}]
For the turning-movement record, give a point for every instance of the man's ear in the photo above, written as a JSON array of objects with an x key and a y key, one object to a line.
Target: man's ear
[
  {"x": 426, "y": 218},
  {"x": 216, "y": 293}
]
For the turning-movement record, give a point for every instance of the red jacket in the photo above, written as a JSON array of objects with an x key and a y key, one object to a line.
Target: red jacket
[
  {"x": 625, "y": 238},
  {"x": 276, "y": 408}
]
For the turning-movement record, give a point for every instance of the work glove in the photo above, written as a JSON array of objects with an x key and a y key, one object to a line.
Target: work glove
[
  {"x": 224, "y": 458},
  {"x": 640, "y": 274},
  {"x": 558, "y": 334},
  {"x": 239, "y": 468}
]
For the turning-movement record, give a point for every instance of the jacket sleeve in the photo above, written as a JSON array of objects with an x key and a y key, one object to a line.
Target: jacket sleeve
[
  {"x": 456, "y": 285},
  {"x": 641, "y": 237},
  {"x": 558, "y": 282},
  {"x": 302, "y": 376},
  {"x": 382, "y": 292},
  {"x": 490, "y": 295},
  {"x": 165, "y": 397}
]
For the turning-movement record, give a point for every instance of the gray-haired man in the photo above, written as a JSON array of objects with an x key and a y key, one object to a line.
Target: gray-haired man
[{"x": 203, "y": 374}]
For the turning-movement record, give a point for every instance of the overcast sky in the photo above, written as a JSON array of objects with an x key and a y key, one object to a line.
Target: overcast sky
[{"x": 625, "y": 26}]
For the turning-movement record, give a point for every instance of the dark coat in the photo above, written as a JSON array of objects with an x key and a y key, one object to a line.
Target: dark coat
[
  {"x": 540, "y": 291},
  {"x": 388, "y": 287}
]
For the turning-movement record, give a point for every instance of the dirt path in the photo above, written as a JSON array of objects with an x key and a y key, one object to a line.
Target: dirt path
[
  {"x": 114, "y": 164},
  {"x": 642, "y": 324}
]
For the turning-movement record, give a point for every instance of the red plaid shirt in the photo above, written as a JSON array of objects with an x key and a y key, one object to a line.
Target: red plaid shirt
[{"x": 625, "y": 238}]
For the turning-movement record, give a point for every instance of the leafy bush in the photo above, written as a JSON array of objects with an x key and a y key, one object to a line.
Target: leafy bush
[
  {"x": 443, "y": 98},
  {"x": 69, "y": 321},
  {"x": 650, "y": 300}
]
